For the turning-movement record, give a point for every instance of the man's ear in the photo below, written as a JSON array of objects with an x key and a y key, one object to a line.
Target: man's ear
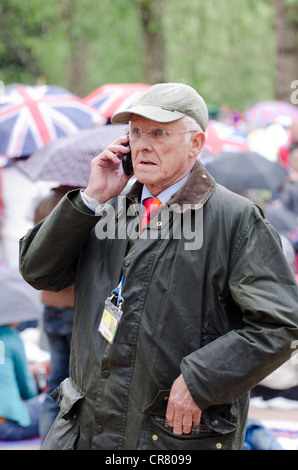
[{"x": 198, "y": 141}]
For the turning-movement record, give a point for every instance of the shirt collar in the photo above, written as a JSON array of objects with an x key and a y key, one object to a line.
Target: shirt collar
[{"x": 165, "y": 195}]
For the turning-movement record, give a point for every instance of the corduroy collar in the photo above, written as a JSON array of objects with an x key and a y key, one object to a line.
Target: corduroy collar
[{"x": 194, "y": 193}]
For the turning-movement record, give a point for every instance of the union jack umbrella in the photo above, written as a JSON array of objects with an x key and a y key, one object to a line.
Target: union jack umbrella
[
  {"x": 111, "y": 98},
  {"x": 265, "y": 113},
  {"x": 31, "y": 116}
]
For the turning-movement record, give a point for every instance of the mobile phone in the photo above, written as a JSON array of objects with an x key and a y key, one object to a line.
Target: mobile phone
[{"x": 127, "y": 163}]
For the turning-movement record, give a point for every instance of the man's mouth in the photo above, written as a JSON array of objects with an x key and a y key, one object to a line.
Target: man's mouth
[{"x": 146, "y": 162}]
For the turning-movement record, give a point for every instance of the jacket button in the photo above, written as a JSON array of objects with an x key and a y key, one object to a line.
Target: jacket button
[
  {"x": 98, "y": 429},
  {"x": 126, "y": 263},
  {"x": 105, "y": 373}
]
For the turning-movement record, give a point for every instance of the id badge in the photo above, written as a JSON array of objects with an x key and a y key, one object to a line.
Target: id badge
[{"x": 109, "y": 321}]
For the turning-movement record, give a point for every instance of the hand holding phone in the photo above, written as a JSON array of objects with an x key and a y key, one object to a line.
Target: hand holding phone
[{"x": 127, "y": 163}]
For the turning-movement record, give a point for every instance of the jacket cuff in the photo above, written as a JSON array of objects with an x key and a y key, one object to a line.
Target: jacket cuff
[{"x": 75, "y": 199}]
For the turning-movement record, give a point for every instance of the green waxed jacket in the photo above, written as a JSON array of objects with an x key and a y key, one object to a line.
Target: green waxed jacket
[{"x": 222, "y": 310}]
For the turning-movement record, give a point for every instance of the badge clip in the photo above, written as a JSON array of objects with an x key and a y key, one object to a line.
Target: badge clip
[{"x": 112, "y": 314}]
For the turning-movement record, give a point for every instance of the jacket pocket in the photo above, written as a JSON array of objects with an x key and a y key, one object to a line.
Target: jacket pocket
[
  {"x": 156, "y": 436},
  {"x": 67, "y": 395},
  {"x": 216, "y": 430},
  {"x": 159, "y": 404},
  {"x": 65, "y": 432},
  {"x": 221, "y": 418}
]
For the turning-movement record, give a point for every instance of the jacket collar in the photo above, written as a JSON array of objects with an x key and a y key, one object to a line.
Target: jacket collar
[{"x": 193, "y": 194}]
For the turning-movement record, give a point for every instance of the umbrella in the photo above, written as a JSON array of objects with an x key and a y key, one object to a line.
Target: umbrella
[
  {"x": 67, "y": 160},
  {"x": 265, "y": 113},
  {"x": 19, "y": 301},
  {"x": 111, "y": 98},
  {"x": 246, "y": 170},
  {"x": 31, "y": 116},
  {"x": 221, "y": 137},
  {"x": 282, "y": 219}
]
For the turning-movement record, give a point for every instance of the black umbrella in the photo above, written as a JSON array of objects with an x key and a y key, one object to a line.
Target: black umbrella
[
  {"x": 246, "y": 170},
  {"x": 282, "y": 219}
]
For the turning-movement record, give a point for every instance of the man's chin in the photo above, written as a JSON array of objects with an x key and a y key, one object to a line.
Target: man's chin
[{"x": 146, "y": 175}]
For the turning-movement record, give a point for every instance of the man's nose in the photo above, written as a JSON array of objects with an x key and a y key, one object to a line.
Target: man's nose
[{"x": 144, "y": 141}]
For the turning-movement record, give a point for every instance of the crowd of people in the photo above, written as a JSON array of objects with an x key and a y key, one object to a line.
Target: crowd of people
[{"x": 171, "y": 333}]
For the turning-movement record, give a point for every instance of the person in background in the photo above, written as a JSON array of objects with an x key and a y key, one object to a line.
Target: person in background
[
  {"x": 20, "y": 403},
  {"x": 289, "y": 193},
  {"x": 57, "y": 323},
  {"x": 285, "y": 151}
]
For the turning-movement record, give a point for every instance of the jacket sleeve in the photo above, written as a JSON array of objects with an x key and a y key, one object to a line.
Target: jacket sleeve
[
  {"x": 263, "y": 286},
  {"x": 49, "y": 251}
]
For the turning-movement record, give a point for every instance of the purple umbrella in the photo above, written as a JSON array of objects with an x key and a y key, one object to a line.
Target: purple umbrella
[
  {"x": 67, "y": 160},
  {"x": 265, "y": 113}
]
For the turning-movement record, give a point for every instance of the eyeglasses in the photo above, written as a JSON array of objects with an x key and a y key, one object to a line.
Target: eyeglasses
[{"x": 156, "y": 134}]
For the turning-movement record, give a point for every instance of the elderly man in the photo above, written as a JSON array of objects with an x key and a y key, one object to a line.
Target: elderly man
[{"x": 179, "y": 312}]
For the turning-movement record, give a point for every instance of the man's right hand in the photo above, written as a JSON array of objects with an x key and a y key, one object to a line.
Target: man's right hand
[{"x": 107, "y": 178}]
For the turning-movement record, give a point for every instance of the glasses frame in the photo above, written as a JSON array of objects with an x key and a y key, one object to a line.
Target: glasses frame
[{"x": 156, "y": 139}]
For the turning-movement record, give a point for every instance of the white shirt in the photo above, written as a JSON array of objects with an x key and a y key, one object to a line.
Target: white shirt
[{"x": 164, "y": 196}]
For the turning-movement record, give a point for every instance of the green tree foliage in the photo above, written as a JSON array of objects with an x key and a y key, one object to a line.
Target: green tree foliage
[
  {"x": 225, "y": 49},
  {"x": 18, "y": 24},
  {"x": 292, "y": 7}
]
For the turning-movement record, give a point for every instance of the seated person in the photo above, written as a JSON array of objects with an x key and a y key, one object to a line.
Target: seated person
[{"x": 20, "y": 403}]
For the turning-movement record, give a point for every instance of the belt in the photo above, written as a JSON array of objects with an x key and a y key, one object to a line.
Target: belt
[{"x": 2, "y": 420}]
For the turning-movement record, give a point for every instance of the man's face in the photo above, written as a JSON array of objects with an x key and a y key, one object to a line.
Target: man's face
[{"x": 160, "y": 163}]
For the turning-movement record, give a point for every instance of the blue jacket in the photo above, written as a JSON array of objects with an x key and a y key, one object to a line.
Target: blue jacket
[{"x": 17, "y": 382}]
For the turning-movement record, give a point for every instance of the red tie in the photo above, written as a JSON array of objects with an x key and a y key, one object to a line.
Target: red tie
[{"x": 151, "y": 207}]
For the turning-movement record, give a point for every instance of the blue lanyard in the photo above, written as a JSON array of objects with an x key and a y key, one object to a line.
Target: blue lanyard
[{"x": 118, "y": 290}]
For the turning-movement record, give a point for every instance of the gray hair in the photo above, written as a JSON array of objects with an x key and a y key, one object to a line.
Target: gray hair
[{"x": 191, "y": 125}]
